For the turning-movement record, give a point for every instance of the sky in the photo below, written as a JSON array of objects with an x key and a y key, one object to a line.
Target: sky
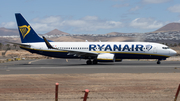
[{"x": 91, "y": 16}]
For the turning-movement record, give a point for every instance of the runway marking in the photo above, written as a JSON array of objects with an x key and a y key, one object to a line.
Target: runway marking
[{"x": 33, "y": 61}]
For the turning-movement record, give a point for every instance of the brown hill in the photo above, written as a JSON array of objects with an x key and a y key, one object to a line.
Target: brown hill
[
  {"x": 170, "y": 27},
  {"x": 8, "y": 32},
  {"x": 56, "y": 32}
]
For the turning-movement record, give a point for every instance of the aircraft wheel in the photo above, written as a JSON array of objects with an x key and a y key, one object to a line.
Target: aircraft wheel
[
  {"x": 88, "y": 62},
  {"x": 158, "y": 62},
  {"x": 95, "y": 61}
]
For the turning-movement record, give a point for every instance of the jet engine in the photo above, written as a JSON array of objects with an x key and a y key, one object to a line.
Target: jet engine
[{"x": 105, "y": 57}]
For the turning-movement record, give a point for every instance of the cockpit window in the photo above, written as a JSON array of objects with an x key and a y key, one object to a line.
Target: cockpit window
[{"x": 165, "y": 47}]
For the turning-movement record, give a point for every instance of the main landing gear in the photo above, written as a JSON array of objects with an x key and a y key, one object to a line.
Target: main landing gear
[
  {"x": 159, "y": 61},
  {"x": 89, "y": 62}
]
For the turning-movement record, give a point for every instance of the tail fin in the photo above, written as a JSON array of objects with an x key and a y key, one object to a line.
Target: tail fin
[{"x": 26, "y": 32}]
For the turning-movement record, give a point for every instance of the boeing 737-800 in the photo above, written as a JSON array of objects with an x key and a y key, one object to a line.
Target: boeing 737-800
[{"x": 93, "y": 52}]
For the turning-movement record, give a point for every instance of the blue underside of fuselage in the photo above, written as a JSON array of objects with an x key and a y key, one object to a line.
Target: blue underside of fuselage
[{"x": 59, "y": 54}]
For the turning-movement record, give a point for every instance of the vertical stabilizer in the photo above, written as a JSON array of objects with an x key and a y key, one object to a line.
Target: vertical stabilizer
[{"x": 26, "y": 32}]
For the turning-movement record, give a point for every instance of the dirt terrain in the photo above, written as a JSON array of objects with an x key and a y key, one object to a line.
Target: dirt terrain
[
  {"x": 13, "y": 55},
  {"x": 103, "y": 87}
]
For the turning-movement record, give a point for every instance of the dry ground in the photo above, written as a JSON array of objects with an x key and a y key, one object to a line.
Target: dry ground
[
  {"x": 103, "y": 87},
  {"x": 12, "y": 54}
]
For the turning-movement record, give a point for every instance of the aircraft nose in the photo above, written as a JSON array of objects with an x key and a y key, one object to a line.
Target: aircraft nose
[{"x": 173, "y": 52}]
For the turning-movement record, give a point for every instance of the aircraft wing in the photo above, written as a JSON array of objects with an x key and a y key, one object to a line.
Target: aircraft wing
[
  {"x": 71, "y": 52},
  {"x": 81, "y": 53}
]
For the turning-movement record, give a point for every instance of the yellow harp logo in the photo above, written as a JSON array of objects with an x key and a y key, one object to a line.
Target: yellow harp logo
[{"x": 24, "y": 30}]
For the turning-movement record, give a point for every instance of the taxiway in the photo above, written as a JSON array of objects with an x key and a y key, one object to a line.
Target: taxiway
[{"x": 61, "y": 66}]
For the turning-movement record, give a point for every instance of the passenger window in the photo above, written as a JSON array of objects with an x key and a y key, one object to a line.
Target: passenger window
[{"x": 165, "y": 47}]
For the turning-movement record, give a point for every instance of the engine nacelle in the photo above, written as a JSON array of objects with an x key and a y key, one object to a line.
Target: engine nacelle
[{"x": 106, "y": 57}]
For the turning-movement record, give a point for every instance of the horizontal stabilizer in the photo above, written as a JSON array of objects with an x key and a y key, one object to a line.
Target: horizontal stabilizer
[{"x": 20, "y": 44}]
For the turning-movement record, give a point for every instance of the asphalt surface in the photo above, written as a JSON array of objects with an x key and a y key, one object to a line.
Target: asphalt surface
[{"x": 63, "y": 66}]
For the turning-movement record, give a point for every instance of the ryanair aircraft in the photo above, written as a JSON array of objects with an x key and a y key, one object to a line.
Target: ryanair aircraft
[{"x": 93, "y": 52}]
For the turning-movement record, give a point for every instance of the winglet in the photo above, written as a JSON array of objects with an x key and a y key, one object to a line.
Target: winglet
[{"x": 48, "y": 44}]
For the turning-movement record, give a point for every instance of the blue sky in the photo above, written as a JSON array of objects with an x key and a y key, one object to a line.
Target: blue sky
[{"x": 91, "y": 16}]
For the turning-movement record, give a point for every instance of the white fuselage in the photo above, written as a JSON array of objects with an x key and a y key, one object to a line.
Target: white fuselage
[{"x": 122, "y": 50}]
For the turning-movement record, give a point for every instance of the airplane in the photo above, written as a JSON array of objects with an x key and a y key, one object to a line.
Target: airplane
[{"x": 93, "y": 52}]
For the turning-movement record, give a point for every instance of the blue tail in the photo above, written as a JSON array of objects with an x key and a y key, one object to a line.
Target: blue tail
[{"x": 26, "y": 32}]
